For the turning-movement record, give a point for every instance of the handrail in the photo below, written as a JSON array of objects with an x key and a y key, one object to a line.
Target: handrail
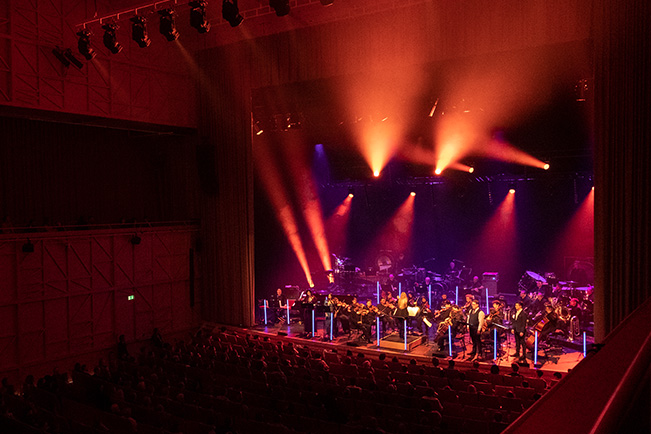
[
  {"x": 593, "y": 397},
  {"x": 613, "y": 412}
]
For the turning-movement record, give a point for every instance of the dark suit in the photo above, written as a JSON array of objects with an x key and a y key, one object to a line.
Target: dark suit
[{"x": 519, "y": 329}]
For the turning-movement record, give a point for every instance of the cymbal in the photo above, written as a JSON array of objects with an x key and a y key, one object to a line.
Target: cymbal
[{"x": 536, "y": 276}]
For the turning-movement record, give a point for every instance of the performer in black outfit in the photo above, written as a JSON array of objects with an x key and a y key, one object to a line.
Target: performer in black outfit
[
  {"x": 475, "y": 324},
  {"x": 278, "y": 304},
  {"x": 518, "y": 330},
  {"x": 550, "y": 324},
  {"x": 307, "y": 302},
  {"x": 475, "y": 287}
]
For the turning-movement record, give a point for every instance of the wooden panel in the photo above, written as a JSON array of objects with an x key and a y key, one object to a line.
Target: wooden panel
[{"x": 48, "y": 322}]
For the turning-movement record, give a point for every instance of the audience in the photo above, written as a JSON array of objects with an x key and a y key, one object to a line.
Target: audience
[{"x": 230, "y": 383}]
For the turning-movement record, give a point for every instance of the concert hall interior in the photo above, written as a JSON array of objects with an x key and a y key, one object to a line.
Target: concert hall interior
[{"x": 311, "y": 216}]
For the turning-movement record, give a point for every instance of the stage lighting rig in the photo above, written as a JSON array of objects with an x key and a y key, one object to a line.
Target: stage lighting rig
[
  {"x": 168, "y": 24},
  {"x": 59, "y": 54},
  {"x": 280, "y": 6},
  {"x": 198, "y": 18},
  {"x": 231, "y": 13},
  {"x": 110, "y": 39},
  {"x": 84, "y": 44},
  {"x": 139, "y": 31}
]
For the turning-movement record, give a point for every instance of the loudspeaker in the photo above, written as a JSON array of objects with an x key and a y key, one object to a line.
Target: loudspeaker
[{"x": 282, "y": 333}]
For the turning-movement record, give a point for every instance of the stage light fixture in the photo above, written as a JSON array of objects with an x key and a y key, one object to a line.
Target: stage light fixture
[
  {"x": 168, "y": 25},
  {"x": 376, "y": 173},
  {"x": 83, "y": 44},
  {"x": 412, "y": 194},
  {"x": 110, "y": 39},
  {"x": 471, "y": 169},
  {"x": 351, "y": 192},
  {"x": 71, "y": 57},
  {"x": 198, "y": 18},
  {"x": 231, "y": 13},
  {"x": 438, "y": 171},
  {"x": 327, "y": 2},
  {"x": 546, "y": 166},
  {"x": 257, "y": 128},
  {"x": 135, "y": 240},
  {"x": 512, "y": 188},
  {"x": 139, "y": 31},
  {"x": 59, "y": 54},
  {"x": 280, "y": 6}
]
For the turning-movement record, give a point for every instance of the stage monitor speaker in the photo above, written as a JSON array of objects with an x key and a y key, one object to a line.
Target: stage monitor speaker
[
  {"x": 282, "y": 333},
  {"x": 489, "y": 280}
]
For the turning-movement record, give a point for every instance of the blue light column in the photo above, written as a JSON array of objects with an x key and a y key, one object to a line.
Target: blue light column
[
  {"x": 535, "y": 350},
  {"x": 377, "y": 330},
  {"x": 405, "y": 334},
  {"x": 378, "y": 293},
  {"x": 450, "y": 340},
  {"x": 265, "y": 312},
  {"x": 429, "y": 290},
  {"x": 495, "y": 344}
]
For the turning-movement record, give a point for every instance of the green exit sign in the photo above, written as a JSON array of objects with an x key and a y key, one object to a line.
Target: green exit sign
[{"x": 131, "y": 297}]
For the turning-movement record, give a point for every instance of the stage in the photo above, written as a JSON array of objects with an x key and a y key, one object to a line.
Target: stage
[{"x": 559, "y": 358}]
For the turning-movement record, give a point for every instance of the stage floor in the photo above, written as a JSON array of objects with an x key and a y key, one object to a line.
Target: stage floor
[{"x": 557, "y": 359}]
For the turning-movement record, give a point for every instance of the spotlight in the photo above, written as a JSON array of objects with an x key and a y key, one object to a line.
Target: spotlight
[
  {"x": 110, "y": 40},
  {"x": 412, "y": 194},
  {"x": 71, "y": 57},
  {"x": 593, "y": 188},
  {"x": 546, "y": 166},
  {"x": 512, "y": 188},
  {"x": 84, "y": 44},
  {"x": 198, "y": 16},
  {"x": 28, "y": 247},
  {"x": 167, "y": 25},
  {"x": 231, "y": 13},
  {"x": 280, "y": 6},
  {"x": 135, "y": 240},
  {"x": 257, "y": 127},
  {"x": 59, "y": 54},
  {"x": 471, "y": 169},
  {"x": 376, "y": 173},
  {"x": 438, "y": 171},
  {"x": 327, "y": 2},
  {"x": 351, "y": 192},
  {"x": 139, "y": 31}
]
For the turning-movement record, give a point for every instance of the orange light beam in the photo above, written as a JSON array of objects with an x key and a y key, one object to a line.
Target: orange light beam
[
  {"x": 396, "y": 233},
  {"x": 337, "y": 224},
  {"x": 578, "y": 237},
  {"x": 496, "y": 246},
  {"x": 271, "y": 180}
]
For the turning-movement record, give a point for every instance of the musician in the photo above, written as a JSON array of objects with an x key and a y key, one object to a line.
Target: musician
[
  {"x": 542, "y": 287},
  {"x": 468, "y": 305},
  {"x": 551, "y": 322},
  {"x": 537, "y": 306},
  {"x": 476, "y": 287},
  {"x": 401, "y": 312},
  {"x": 519, "y": 329},
  {"x": 449, "y": 317},
  {"x": 475, "y": 324},
  {"x": 453, "y": 270},
  {"x": 391, "y": 285},
  {"x": 444, "y": 301},
  {"x": 307, "y": 302},
  {"x": 524, "y": 299},
  {"x": 575, "y": 309},
  {"x": 495, "y": 316},
  {"x": 278, "y": 304},
  {"x": 368, "y": 314},
  {"x": 331, "y": 310},
  {"x": 424, "y": 313},
  {"x": 386, "y": 315}
]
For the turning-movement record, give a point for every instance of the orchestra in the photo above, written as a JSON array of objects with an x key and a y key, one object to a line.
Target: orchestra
[{"x": 548, "y": 308}]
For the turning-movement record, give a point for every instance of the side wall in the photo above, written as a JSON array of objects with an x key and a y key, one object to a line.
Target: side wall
[{"x": 71, "y": 295}]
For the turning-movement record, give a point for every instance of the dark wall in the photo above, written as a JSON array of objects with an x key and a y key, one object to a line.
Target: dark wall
[{"x": 55, "y": 172}]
